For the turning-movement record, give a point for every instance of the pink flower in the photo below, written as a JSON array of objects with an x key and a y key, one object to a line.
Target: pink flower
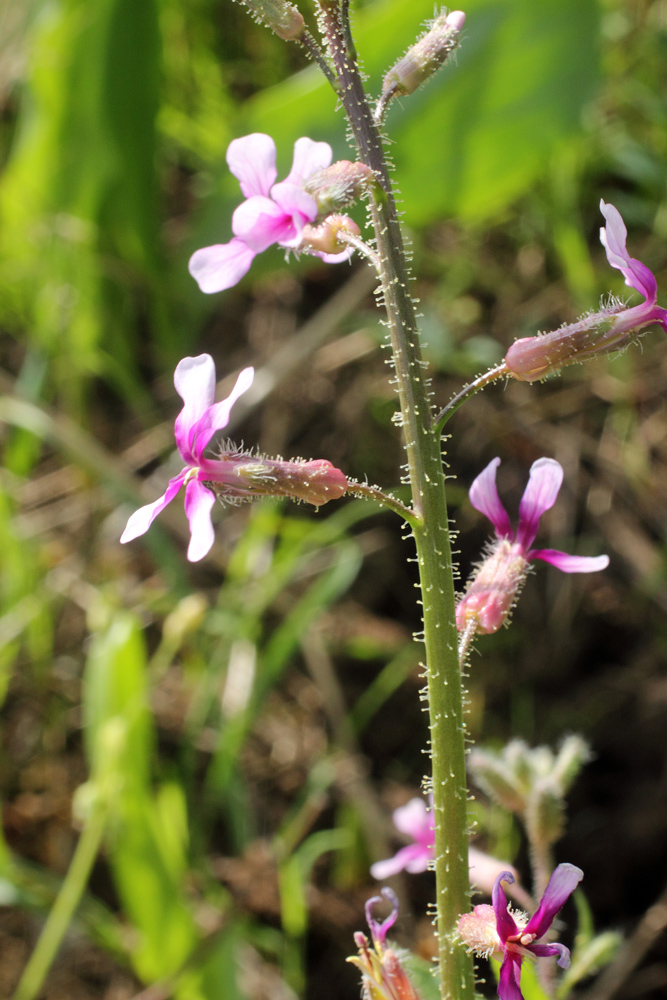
[
  {"x": 234, "y": 475},
  {"x": 610, "y": 329},
  {"x": 271, "y": 213},
  {"x": 511, "y": 936},
  {"x": 416, "y": 820},
  {"x": 491, "y": 593},
  {"x": 195, "y": 425}
]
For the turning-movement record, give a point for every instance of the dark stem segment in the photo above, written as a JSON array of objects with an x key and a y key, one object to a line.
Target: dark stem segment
[{"x": 430, "y": 527}]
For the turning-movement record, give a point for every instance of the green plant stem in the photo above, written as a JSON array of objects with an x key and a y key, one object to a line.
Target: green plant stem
[
  {"x": 66, "y": 903},
  {"x": 430, "y": 529}
]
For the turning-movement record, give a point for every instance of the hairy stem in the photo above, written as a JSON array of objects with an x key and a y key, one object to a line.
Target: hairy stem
[{"x": 430, "y": 528}]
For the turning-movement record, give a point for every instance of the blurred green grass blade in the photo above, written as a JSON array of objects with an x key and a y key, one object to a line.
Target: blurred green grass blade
[
  {"x": 332, "y": 584},
  {"x": 79, "y": 195},
  {"x": 274, "y": 657},
  {"x": 151, "y": 893},
  {"x": 115, "y": 687},
  {"x": 481, "y": 130}
]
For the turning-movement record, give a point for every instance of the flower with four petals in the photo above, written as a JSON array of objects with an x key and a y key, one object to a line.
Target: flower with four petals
[
  {"x": 490, "y": 595},
  {"x": 271, "y": 213}
]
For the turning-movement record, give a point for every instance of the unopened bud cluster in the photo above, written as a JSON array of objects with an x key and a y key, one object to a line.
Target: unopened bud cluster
[
  {"x": 426, "y": 56},
  {"x": 531, "y": 782}
]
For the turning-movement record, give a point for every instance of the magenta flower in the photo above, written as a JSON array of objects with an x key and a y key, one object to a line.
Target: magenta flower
[
  {"x": 233, "y": 475},
  {"x": 272, "y": 213},
  {"x": 491, "y": 593},
  {"x": 511, "y": 936},
  {"x": 610, "y": 329}
]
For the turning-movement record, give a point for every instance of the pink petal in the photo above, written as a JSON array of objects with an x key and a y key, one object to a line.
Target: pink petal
[
  {"x": 216, "y": 418},
  {"x": 550, "y": 950},
  {"x": 295, "y": 202},
  {"x": 221, "y": 266},
  {"x": 546, "y": 477},
  {"x": 252, "y": 159},
  {"x": 564, "y": 880},
  {"x": 260, "y": 222},
  {"x": 415, "y": 820},
  {"x": 194, "y": 379},
  {"x": 309, "y": 157},
  {"x": 198, "y": 504},
  {"x": 509, "y": 984},
  {"x": 141, "y": 520},
  {"x": 505, "y": 924},
  {"x": 613, "y": 237},
  {"x": 484, "y": 498},
  {"x": 568, "y": 563},
  {"x": 412, "y": 858}
]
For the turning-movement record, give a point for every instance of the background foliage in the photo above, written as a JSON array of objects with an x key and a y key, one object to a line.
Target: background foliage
[{"x": 250, "y": 722}]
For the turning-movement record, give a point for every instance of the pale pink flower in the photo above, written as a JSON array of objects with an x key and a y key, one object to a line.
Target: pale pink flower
[
  {"x": 233, "y": 474},
  {"x": 496, "y": 930},
  {"x": 271, "y": 213},
  {"x": 416, "y": 820},
  {"x": 491, "y": 593}
]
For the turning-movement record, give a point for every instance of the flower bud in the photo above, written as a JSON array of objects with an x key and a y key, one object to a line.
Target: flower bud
[
  {"x": 545, "y": 814},
  {"x": 339, "y": 185},
  {"x": 495, "y": 776},
  {"x": 533, "y": 358},
  {"x": 573, "y": 754},
  {"x": 237, "y": 475},
  {"x": 425, "y": 56},
  {"x": 325, "y": 238},
  {"x": 315, "y": 482},
  {"x": 278, "y": 15}
]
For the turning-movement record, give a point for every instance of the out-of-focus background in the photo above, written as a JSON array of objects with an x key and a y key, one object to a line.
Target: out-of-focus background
[{"x": 251, "y": 721}]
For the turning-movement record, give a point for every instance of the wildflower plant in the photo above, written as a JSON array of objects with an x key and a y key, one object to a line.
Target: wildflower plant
[{"x": 305, "y": 213}]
